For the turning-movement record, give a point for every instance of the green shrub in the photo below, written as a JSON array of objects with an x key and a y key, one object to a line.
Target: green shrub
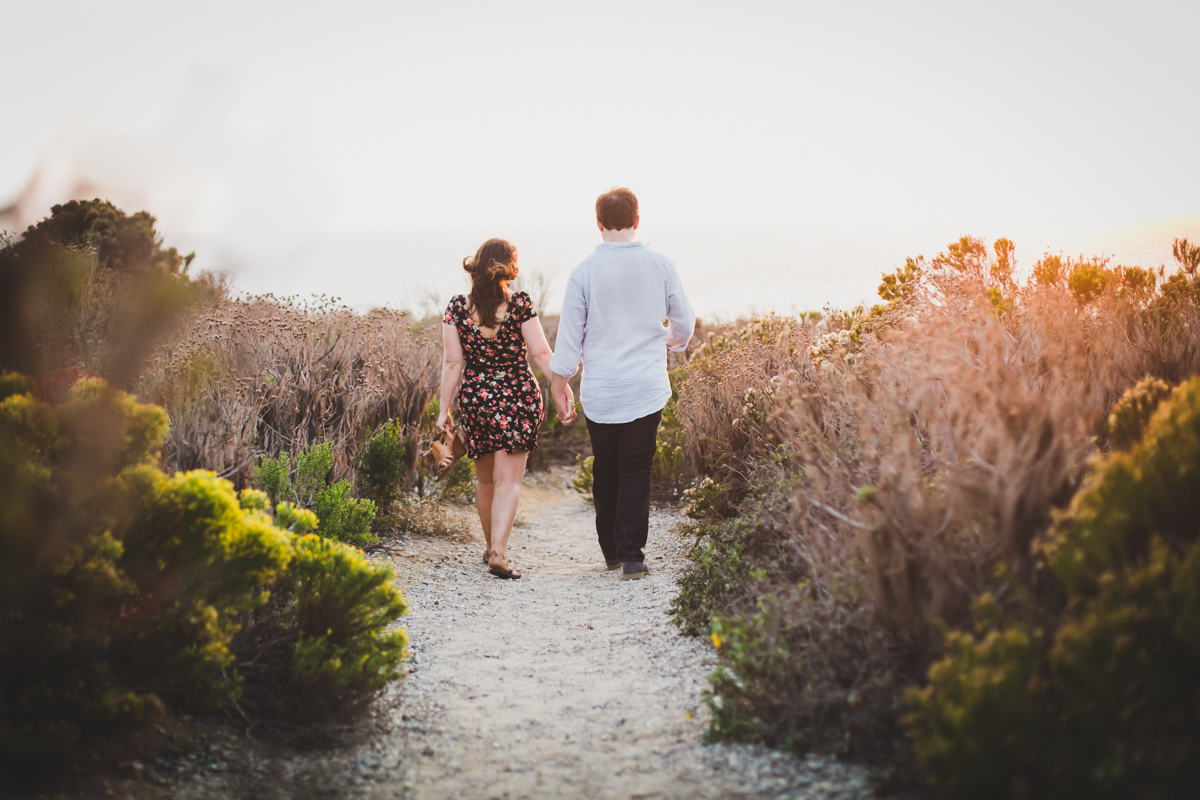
[
  {"x": 275, "y": 476},
  {"x": 254, "y": 500},
  {"x": 320, "y": 648},
  {"x": 667, "y": 473},
  {"x": 755, "y": 656},
  {"x": 297, "y": 520},
  {"x": 122, "y": 589},
  {"x": 706, "y": 500},
  {"x": 717, "y": 577},
  {"x": 307, "y": 486},
  {"x": 91, "y": 287},
  {"x": 342, "y": 517},
  {"x": 1131, "y": 497},
  {"x": 799, "y": 670},
  {"x": 670, "y": 470},
  {"x": 460, "y": 480},
  {"x": 986, "y": 720},
  {"x": 312, "y": 469},
  {"x": 384, "y": 463},
  {"x": 795, "y": 673},
  {"x": 119, "y": 583},
  {"x": 1087, "y": 280},
  {"x": 1109, "y": 704},
  {"x": 902, "y": 284},
  {"x": 582, "y": 482},
  {"x": 1130, "y": 414}
]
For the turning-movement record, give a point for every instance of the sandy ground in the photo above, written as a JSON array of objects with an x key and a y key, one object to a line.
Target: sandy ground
[{"x": 566, "y": 683}]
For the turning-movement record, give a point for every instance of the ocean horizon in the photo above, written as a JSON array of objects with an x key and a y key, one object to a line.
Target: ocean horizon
[{"x": 728, "y": 273}]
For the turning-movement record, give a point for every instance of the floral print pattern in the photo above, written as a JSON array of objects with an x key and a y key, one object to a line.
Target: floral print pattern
[{"x": 499, "y": 402}]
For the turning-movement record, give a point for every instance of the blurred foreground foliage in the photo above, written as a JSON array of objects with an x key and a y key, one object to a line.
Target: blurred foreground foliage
[
  {"x": 1102, "y": 697},
  {"x": 979, "y": 490},
  {"x": 91, "y": 288},
  {"x": 305, "y": 483},
  {"x": 124, "y": 591}
]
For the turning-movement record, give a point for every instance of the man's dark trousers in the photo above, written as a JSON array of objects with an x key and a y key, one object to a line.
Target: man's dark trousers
[{"x": 624, "y": 456}]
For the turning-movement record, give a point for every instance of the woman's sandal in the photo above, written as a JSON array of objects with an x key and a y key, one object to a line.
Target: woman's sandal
[
  {"x": 501, "y": 572},
  {"x": 446, "y": 451}
]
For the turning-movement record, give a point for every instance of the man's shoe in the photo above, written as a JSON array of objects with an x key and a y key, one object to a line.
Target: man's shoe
[
  {"x": 612, "y": 564},
  {"x": 633, "y": 570}
]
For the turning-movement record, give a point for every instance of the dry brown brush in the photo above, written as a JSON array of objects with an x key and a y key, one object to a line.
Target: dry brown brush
[
  {"x": 873, "y": 473},
  {"x": 270, "y": 375}
]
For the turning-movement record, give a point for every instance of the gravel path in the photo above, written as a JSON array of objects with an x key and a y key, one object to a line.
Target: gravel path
[{"x": 567, "y": 683}]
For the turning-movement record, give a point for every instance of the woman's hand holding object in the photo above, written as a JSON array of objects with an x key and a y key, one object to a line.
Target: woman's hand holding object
[{"x": 566, "y": 400}]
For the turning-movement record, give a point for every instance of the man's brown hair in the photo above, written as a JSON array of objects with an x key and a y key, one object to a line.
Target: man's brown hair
[{"x": 617, "y": 209}]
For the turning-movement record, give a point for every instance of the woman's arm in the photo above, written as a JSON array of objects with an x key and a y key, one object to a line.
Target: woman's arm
[
  {"x": 541, "y": 354},
  {"x": 452, "y": 360}
]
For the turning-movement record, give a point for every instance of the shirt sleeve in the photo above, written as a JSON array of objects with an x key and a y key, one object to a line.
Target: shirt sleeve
[
  {"x": 568, "y": 344},
  {"x": 681, "y": 317},
  {"x": 449, "y": 317}
]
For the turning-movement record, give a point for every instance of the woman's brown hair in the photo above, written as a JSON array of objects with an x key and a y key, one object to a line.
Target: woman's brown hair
[{"x": 495, "y": 262}]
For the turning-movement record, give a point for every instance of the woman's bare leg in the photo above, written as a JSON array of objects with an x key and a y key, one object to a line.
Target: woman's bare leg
[
  {"x": 483, "y": 497},
  {"x": 507, "y": 471}
]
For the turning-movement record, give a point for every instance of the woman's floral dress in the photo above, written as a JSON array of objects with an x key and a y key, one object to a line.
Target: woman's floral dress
[{"x": 499, "y": 402}]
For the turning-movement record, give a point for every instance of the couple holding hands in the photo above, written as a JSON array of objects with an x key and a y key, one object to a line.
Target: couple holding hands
[{"x": 624, "y": 308}]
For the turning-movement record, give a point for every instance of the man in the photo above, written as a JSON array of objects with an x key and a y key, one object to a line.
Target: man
[{"x": 624, "y": 309}]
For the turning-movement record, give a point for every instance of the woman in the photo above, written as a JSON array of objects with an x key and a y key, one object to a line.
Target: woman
[{"x": 487, "y": 338}]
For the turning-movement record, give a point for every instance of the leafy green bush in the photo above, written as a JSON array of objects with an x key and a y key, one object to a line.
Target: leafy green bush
[
  {"x": 320, "y": 648},
  {"x": 384, "y": 463},
  {"x": 1129, "y": 416},
  {"x": 122, "y": 589},
  {"x": 91, "y": 287},
  {"x": 582, "y": 482},
  {"x": 669, "y": 473},
  {"x": 307, "y": 485},
  {"x": 119, "y": 583},
  {"x": 460, "y": 480},
  {"x": 275, "y": 476},
  {"x": 297, "y": 520},
  {"x": 706, "y": 500},
  {"x": 1109, "y": 704},
  {"x": 795, "y": 668},
  {"x": 987, "y": 688},
  {"x": 1132, "y": 497},
  {"x": 343, "y": 517}
]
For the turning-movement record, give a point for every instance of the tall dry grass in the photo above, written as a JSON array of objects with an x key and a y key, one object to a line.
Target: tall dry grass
[
  {"x": 917, "y": 450},
  {"x": 271, "y": 375}
]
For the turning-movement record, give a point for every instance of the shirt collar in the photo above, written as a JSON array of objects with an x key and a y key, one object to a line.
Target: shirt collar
[{"x": 618, "y": 245}]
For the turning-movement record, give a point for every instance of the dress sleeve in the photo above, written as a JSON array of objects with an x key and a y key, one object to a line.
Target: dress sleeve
[
  {"x": 451, "y": 315},
  {"x": 528, "y": 312}
]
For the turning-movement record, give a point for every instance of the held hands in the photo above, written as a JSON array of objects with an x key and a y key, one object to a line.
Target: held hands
[
  {"x": 444, "y": 422},
  {"x": 565, "y": 402}
]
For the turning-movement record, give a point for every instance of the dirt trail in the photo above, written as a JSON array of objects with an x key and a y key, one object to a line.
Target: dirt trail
[{"x": 567, "y": 683}]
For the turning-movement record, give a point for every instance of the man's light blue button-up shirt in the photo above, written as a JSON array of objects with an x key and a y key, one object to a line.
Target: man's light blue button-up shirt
[{"x": 613, "y": 316}]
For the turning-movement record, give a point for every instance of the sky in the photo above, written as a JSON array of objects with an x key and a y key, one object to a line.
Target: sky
[{"x": 268, "y": 122}]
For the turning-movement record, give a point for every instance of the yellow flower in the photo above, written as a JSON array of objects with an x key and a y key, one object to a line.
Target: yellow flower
[{"x": 716, "y": 639}]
